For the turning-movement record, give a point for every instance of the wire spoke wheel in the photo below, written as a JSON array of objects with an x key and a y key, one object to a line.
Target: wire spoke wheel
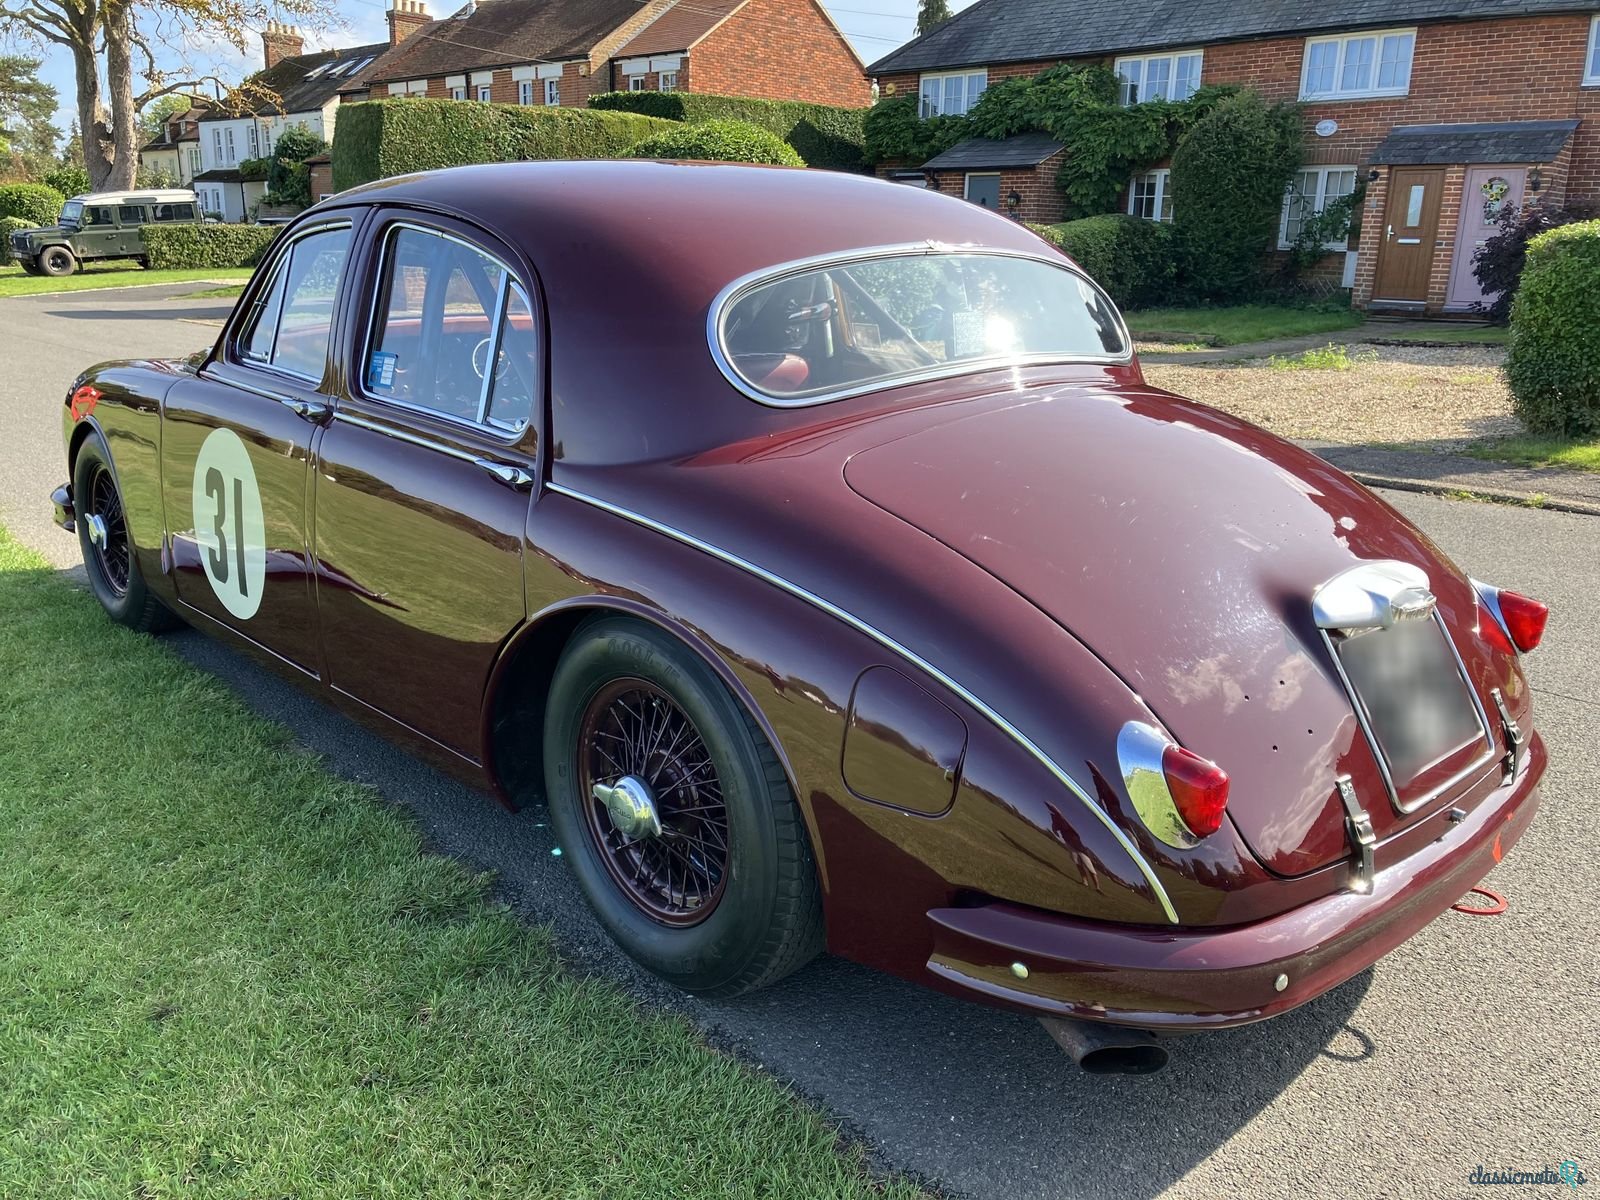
[
  {"x": 110, "y": 533},
  {"x": 671, "y": 857}
]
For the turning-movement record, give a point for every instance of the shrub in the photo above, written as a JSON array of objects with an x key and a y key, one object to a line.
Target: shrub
[
  {"x": 288, "y": 177},
  {"x": 35, "y": 203},
  {"x": 822, "y": 134},
  {"x": 1497, "y": 263},
  {"x": 1131, "y": 258},
  {"x": 69, "y": 181},
  {"x": 206, "y": 246},
  {"x": 1229, "y": 173},
  {"x": 379, "y": 138},
  {"x": 719, "y": 141},
  {"x": 1553, "y": 358},
  {"x": 894, "y": 132},
  {"x": 9, "y": 225}
]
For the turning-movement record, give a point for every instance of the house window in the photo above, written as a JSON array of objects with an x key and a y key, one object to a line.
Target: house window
[
  {"x": 194, "y": 159},
  {"x": 636, "y": 83},
  {"x": 667, "y": 81},
  {"x": 1150, "y": 195},
  {"x": 524, "y": 91},
  {"x": 552, "y": 91},
  {"x": 983, "y": 190},
  {"x": 1158, "y": 77},
  {"x": 1591, "y": 72},
  {"x": 1313, "y": 190},
  {"x": 216, "y": 143},
  {"x": 952, "y": 93},
  {"x": 458, "y": 93},
  {"x": 485, "y": 93},
  {"x": 255, "y": 140},
  {"x": 1363, "y": 64},
  {"x": 227, "y": 135}
]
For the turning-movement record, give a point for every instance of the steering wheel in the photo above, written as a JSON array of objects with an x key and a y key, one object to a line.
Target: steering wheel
[{"x": 501, "y": 361}]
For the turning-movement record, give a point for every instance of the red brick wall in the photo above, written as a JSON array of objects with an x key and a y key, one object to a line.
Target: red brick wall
[
  {"x": 1041, "y": 201},
  {"x": 576, "y": 86},
  {"x": 780, "y": 50},
  {"x": 321, "y": 180}
]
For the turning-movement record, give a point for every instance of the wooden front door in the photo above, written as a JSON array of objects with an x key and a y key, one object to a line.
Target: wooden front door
[
  {"x": 1410, "y": 234},
  {"x": 1487, "y": 192}
]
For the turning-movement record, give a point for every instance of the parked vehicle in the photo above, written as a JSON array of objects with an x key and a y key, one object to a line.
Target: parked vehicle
[
  {"x": 101, "y": 225},
  {"x": 830, "y": 587}
]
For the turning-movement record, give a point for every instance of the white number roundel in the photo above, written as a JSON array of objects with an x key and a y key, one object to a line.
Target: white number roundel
[{"x": 228, "y": 523}]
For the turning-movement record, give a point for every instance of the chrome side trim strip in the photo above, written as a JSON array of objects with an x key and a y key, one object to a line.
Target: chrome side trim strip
[
  {"x": 730, "y": 295},
  {"x": 348, "y": 418},
  {"x": 909, "y": 655}
]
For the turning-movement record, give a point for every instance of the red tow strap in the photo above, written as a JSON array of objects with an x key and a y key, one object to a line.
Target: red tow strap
[{"x": 1496, "y": 900}]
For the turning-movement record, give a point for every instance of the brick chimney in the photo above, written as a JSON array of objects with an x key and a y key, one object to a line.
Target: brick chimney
[
  {"x": 280, "y": 41},
  {"x": 405, "y": 18}
]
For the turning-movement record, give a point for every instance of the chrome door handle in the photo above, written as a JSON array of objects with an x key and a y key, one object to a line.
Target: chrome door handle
[
  {"x": 1391, "y": 231},
  {"x": 517, "y": 478},
  {"x": 309, "y": 410}
]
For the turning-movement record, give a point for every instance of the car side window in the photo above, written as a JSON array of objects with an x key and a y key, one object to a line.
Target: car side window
[
  {"x": 97, "y": 215},
  {"x": 289, "y": 320},
  {"x": 173, "y": 212},
  {"x": 130, "y": 214},
  {"x": 453, "y": 332}
]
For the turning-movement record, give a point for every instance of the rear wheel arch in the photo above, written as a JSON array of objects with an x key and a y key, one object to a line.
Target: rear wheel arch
[{"x": 520, "y": 684}]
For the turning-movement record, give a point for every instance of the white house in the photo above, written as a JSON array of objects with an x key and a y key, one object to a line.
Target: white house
[{"x": 294, "y": 89}]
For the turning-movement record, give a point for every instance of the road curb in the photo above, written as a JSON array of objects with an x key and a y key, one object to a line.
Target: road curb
[{"x": 1433, "y": 487}]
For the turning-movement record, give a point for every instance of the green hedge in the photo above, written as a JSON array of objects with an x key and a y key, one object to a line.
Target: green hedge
[
  {"x": 8, "y": 226},
  {"x": 719, "y": 141},
  {"x": 33, "y": 202},
  {"x": 1553, "y": 360},
  {"x": 379, "y": 138},
  {"x": 822, "y": 134},
  {"x": 1133, "y": 259},
  {"x": 206, "y": 246}
]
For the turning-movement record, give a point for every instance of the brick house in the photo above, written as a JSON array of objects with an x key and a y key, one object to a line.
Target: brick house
[
  {"x": 560, "y": 52},
  {"x": 1447, "y": 109}
]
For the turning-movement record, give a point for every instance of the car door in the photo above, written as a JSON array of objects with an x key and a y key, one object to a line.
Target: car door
[
  {"x": 236, "y": 443},
  {"x": 98, "y": 237},
  {"x": 423, "y": 476},
  {"x": 129, "y": 240}
]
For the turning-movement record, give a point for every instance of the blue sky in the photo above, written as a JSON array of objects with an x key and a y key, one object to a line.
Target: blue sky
[{"x": 874, "y": 26}]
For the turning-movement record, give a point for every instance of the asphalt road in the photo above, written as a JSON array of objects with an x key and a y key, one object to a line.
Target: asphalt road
[{"x": 1472, "y": 1044}]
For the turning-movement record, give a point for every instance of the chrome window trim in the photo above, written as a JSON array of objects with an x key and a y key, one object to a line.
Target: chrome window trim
[
  {"x": 405, "y": 435},
  {"x": 1472, "y": 769},
  {"x": 358, "y": 381},
  {"x": 280, "y": 258},
  {"x": 884, "y": 640},
  {"x": 735, "y": 291}
]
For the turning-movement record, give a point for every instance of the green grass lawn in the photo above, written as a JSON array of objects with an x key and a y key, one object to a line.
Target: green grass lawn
[
  {"x": 14, "y": 281},
  {"x": 1573, "y": 454},
  {"x": 1235, "y": 324},
  {"x": 227, "y": 973},
  {"x": 229, "y": 291}
]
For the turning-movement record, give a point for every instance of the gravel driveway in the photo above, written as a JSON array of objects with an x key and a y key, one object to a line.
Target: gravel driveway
[{"x": 1444, "y": 396}]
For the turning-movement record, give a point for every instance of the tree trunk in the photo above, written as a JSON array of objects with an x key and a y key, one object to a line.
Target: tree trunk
[
  {"x": 92, "y": 126},
  {"x": 124, "y": 155}
]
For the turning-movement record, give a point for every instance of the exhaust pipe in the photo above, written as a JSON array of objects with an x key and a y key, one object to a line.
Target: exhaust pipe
[{"x": 1107, "y": 1049}]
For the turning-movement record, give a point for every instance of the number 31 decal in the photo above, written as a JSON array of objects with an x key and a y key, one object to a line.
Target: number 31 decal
[{"x": 228, "y": 523}]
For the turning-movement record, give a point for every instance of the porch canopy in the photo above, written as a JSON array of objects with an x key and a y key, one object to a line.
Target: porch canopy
[
  {"x": 1489, "y": 142},
  {"x": 990, "y": 154}
]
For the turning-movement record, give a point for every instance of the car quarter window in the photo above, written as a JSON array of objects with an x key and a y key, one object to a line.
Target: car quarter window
[
  {"x": 131, "y": 214},
  {"x": 173, "y": 212},
  {"x": 290, "y": 318},
  {"x": 453, "y": 332}
]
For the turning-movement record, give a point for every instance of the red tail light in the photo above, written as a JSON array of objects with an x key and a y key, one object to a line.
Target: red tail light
[
  {"x": 1524, "y": 619},
  {"x": 1199, "y": 789}
]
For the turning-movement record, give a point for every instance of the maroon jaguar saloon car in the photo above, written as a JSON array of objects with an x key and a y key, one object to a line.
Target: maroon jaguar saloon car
[{"x": 815, "y": 550}]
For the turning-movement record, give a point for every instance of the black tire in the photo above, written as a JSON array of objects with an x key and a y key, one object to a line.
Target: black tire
[
  {"x": 57, "y": 261},
  {"x": 766, "y": 918},
  {"x": 110, "y": 561},
  {"x": 31, "y": 266}
]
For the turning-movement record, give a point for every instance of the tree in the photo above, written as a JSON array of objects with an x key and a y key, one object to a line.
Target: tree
[
  {"x": 931, "y": 14},
  {"x": 160, "y": 111},
  {"x": 288, "y": 178},
  {"x": 27, "y": 110},
  {"x": 104, "y": 39}
]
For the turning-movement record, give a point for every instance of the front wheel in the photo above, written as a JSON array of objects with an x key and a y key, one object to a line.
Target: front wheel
[
  {"x": 57, "y": 261},
  {"x": 108, "y": 552},
  {"x": 676, "y": 815},
  {"x": 30, "y": 266}
]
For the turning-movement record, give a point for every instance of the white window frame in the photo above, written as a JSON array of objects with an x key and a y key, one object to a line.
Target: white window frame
[
  {"x": 966, "y": 187},
  {"x": 1591, "y": 64},
  {"x": 486, "y": 93},
  {"x": 667, "y": 81},
  {"x": 1163, "y": 196},
  {"x": 216, "y": 143},
  {"x": 525, "y": 91},
  {"x": 1171, "y": 58},
  {"x": 1320, "y": 201},
  {"x": 227, "y": 137},
  {"x": 458, "y": 93},
  {"x": 255, "y": 139},
  {"x": 636, "y": 83},
  {"x": 552, "y": 93},
  {"x": 969, "y": 97},
  {"x": 1344, "y": 42}
]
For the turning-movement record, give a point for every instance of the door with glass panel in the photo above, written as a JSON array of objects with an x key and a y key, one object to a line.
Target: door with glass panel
[
  {"x": 424, "y": 476},
  {"x": 1410, "y": 234}
]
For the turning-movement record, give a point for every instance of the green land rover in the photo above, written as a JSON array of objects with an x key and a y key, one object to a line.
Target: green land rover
[{"x": 102, "y": 225}]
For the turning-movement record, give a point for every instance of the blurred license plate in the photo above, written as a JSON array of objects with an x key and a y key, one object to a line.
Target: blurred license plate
[{"x": 1417, "y": 703}]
